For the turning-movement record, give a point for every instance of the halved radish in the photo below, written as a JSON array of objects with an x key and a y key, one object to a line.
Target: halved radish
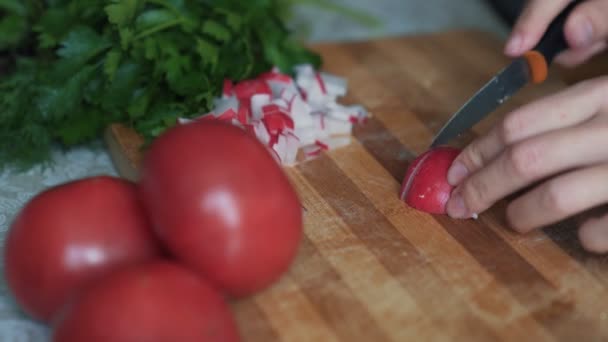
[{"x": 425, "y": 186}]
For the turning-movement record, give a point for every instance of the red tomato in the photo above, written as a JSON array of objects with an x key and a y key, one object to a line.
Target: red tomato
[
  {"x": 159, "y": 301},
  {"x": 222, "y": 204},
  {"x": 425, "y": 186},
  {"x": 71, "y": 235}
]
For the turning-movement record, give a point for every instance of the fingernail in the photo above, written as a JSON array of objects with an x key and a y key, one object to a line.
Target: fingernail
[
  {"x": 455, "y": 207},
  {"x": 514, "y": 44},
  {"x": 583, "y": 33},
  {"x": 457, "y": 173}
]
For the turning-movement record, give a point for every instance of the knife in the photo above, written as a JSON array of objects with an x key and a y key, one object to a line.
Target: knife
[{"x": 531, "y": 68}]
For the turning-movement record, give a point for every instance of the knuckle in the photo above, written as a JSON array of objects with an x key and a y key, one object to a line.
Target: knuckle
[
  {"x": 472, "y": 157},
  {"x": 524, "y": 160},
  {"x": 596, "y": 90},
  {"x": 475, "y": 194},
  {"x": 553, "y": 200},
  {"x": 510, "y": 128}
]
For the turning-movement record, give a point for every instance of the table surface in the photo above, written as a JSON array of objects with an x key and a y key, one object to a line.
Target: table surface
[{"x": 398, "y": 17}]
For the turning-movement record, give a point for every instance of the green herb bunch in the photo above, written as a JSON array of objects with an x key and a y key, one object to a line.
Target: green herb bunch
[{"x": 139, "y": 62}]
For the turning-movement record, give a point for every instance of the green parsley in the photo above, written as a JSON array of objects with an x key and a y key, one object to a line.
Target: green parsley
[{"x": 77, "y": 66}]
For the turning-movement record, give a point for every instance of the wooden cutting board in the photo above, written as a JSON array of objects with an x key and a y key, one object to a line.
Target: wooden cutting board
[{"x": 372, "y": 269}]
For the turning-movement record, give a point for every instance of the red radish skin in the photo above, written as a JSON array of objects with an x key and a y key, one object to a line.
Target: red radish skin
[
  {"x": 244, "y": 90},
  {"x": 72, "y": 235},
  {"x": 159, "y": 301},
  {"x": 425, "y": 186}
]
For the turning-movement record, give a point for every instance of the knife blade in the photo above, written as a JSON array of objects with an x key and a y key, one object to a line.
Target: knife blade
[{"x": 531, "y": 68}]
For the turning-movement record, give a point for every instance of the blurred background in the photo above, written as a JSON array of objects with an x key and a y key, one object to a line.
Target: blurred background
[{"x": 396, "y": 17}]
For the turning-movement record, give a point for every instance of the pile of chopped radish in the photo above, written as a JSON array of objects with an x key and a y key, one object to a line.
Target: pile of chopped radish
[{"x": 290, "y": 115}]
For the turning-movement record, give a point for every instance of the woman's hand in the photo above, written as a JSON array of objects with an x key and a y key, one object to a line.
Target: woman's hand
[
  {"x": 586, "y": 29},
  {"x": 558, "y": 143}
]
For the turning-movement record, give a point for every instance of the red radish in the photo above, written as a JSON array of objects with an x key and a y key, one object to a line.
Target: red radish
[
  {"x": 425, "y": 186},
  {"x": 70, "y": 236},
  {"x": 158, "y": 301}
]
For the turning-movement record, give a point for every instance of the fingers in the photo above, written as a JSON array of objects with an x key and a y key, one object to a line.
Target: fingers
[
  {"x": 567, "y": 108},
  {"x": 586, "y": 29},
  {"x": 532, "y": 24},
  {"x": 560, "y": 198},
  {"x": 587, "y": 24},
  {"x": 475, "y": 156},
  {"x": 593, "y": 235},
  {"x": 527, "y": 162},
  {"x": 573, "y": 58}
]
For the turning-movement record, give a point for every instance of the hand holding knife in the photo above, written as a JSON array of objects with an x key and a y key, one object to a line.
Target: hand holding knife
[{"x": 532, "y": 67}]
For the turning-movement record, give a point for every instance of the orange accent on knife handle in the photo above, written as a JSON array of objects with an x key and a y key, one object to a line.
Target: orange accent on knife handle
[{"x": 538, "y": 66}]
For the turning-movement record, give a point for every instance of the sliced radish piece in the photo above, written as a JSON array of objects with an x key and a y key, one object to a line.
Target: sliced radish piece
[
  {"x": 312, "y": 150},
  {"x": 275, "y": 155},
  {"x": 281, "y": 103},
  {"x": 244, "y": 90},
  {"x": 258, "y": 102},
  {"x": 261, "y": 132},
  {"x": 306, "y": 134},
  {"x": 338, "y": 142},
  {"x": 277, "y": 81},
  {"x": 321, "y": 83},
  {"x": 227, "y": 115},
  {"x": 333, "y": 85},
  {"x": 243, "y": 115},
  {"x": 301, "y": 113},
  {"x": 338, "y": 127},
  {"x": 319, "y": 125},
  {"x": 341, "y": 113},
  {"x": 221, "y": 105},
  {"x": 227, "y": 91},
  {"x": 322, "y": 145},
  {"x": 287, "y": 148},
  {"x": 276, "y": 75},
  {"x": 276, "y": 122}
]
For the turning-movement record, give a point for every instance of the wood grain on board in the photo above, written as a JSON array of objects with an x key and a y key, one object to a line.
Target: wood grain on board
[{"x": 372, "y": 269}]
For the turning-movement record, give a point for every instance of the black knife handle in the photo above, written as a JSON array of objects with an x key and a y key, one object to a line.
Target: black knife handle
[{"x": 554, "y": 40}]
